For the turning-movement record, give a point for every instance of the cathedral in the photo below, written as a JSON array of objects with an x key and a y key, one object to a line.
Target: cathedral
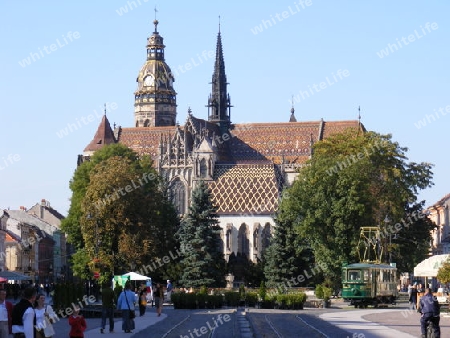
[{"x": 246, "y": 166}]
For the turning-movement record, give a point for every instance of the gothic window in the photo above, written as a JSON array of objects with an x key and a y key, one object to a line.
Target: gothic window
[
  {"x": 178, "y": 195},
  {"x": 243, "y": 242},
  {"x": 228, "y": 236},
  {"x": 147, "y": 123},
  {"x": 256, "y": 237},
  {"x": 203, "y": 168},
  {"x": 265, "y": 236}
]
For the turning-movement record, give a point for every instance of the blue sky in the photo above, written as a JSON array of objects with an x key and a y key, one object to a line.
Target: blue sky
[{"x": 61, "y": 61}]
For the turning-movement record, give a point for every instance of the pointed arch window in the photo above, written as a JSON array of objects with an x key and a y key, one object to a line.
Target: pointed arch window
[
  {"x": 228, "y": 237},
  {"x": 178, "y": 195},
  {"x": 203, "y": 168},
  {"x": 243, "y": 242},
  {"x": 266, "y": 235},
  {"x": 257, "y": 237}
]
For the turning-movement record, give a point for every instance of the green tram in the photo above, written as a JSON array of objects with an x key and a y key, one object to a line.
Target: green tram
[{"x": 369, "y": 284}]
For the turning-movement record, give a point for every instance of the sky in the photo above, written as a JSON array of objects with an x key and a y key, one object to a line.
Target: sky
[{"x": 62, "y": 61}]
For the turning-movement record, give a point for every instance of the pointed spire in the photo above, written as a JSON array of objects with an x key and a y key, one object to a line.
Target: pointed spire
[
  {"x": 219, "y": 100},
  {"x": 292, "y": 118},
  {"x": 104, "y": 135},
  {"x": 155, "y": 22}
]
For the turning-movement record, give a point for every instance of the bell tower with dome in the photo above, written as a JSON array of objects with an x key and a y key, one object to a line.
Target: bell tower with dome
[{"x": 155, "y": 99}]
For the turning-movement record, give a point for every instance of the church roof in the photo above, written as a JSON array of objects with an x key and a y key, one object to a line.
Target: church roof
[
  {"x": 145, "y": 140},
  {"x": 104, "y": 135},
  {"x": 251, "y": 188},
  {"x": 288, "y": 142}
]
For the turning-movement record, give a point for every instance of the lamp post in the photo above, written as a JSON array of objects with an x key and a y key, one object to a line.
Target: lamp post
[{"x": 386, "y": 222}]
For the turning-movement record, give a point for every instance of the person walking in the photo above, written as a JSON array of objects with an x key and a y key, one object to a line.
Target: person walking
[
  {"x": 169, "y": 289},
  {"x": 413, "y": 297},
  {"x": 6, "y": 309},
  {"x": 142, "y": 300},
  {"x": 125, "y": 303},
  {"x": 44, "y": 315},
  {"x": 108, "y": 305},
  {"x": 159, "y": 298},
  {"x": 23, "y": 315},
  {"x": 77, "y": 324}
]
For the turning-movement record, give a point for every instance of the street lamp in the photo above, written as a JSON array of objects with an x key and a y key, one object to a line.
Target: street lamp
[{"x": 386, "y": 222}]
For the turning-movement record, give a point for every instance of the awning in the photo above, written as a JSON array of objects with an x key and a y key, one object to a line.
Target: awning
[
  {"x": 135, "y": 276},
  {"x": 11, "y": 275},
  {"x": 430, "y": 266}
]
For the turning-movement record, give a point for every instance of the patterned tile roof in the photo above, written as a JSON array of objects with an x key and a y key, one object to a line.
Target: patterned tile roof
[
  {"x": 246, "y": 188},
  {"x": 144, "y": 140},
  {"x": 290, "y": 141}
]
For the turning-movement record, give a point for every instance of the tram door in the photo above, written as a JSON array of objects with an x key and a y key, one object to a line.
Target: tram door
[{"x": 374, "y": 288}]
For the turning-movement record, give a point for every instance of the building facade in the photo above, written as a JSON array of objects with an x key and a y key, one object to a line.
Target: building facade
[
  {"x": 439, "y": 214},
  {"x": 246, "y": 166},
  {"x": 31, "y": 246}
]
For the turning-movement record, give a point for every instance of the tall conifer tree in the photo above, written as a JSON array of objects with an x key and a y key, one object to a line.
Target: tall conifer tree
[{"x": 199, "y": 234}]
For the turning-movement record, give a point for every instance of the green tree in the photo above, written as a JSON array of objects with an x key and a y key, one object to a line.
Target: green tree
[
  {"x": 287, "y": 256},
  {"x": 199, "y": 234},
  {"x": 352, "y": 180},
  {"x": 80, "y": 182},
  {"x": 443, "y": 274},
  {"x": 124, "y": 218}
]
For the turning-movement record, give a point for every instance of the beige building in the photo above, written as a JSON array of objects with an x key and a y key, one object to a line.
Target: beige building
[{"x": 439, "y": 214}]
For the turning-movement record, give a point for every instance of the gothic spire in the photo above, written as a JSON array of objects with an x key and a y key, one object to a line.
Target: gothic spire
[
  {"x": 292, "y": 118},
  {"x": 219, "y": 100}
]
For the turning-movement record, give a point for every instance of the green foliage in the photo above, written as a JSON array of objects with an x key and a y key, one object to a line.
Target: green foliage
[
  {"x": 290, "y": 301},
  {"x": 232, "y": 298},
  {"x": 262, "y": 291},
  {"x": 323, "y": 292},
  {"x": 443, "y": 274},
  {"x": 117, "y": 291},
  {"x": 203, "y": 262},
  {"x": 65, "y": 294},
  {"x": 352, "y": 180},
  {"x": 79, "y": 184},
  {"x": 119, "y": 214},
  {"x": 319, "y": 291},
  {"x": 251, "y": 298},
  {"x": 242, "y": 291},
  {"x": 197, "y": 300},
  {"x": 287, "y": 256}
]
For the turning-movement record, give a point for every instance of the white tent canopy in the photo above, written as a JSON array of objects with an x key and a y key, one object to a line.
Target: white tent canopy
[
  {"x": 136, "y": 276},
  {"x": 430, "y": 266}
]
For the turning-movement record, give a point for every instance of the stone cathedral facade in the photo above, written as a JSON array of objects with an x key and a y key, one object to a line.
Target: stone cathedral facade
[{"x": 246, "y": 165}]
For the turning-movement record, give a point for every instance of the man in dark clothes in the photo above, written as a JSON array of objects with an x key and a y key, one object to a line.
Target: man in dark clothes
[{"x": 108, "y": 306}]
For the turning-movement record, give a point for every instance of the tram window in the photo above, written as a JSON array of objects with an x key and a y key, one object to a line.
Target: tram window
[
  {"x": 366, "y": 274},
  {"x": 354, "y": 275}
]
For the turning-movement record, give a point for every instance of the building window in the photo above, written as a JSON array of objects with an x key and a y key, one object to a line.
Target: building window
[
  {"x": 203, "y": 168},
  {"x": 266, "y": 236},
  {"x": 243, "y": 242},
  {"x": 178, "y": 195}
]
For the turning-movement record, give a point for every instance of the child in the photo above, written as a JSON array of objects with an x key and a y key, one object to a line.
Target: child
[{"x": 77, "y": 323}]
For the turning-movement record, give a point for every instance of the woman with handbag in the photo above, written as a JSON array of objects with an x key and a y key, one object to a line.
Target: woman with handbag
[
  {"x": 125, "y": 303},
  {"x": 44, "y": 317}
]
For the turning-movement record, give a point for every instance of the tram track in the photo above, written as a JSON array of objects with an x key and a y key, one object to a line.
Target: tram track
[{"x": 291, "y": 324}]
